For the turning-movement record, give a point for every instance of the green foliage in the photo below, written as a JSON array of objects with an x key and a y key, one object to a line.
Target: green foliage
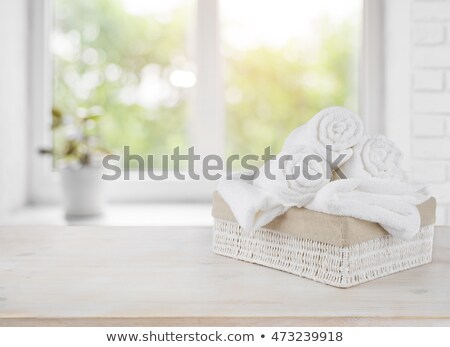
[
  {"x": 126, "y": 44},
  {"x": 282, "y": 88},
  {"x": 273, "y": 90}
]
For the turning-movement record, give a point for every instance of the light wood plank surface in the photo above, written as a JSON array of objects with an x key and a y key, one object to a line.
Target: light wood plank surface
[{"x": 169, "y": 276}]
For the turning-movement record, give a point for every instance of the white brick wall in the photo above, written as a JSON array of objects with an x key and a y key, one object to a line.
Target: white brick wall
[
  {"x": 430, "y": 99},
  {"x": 428, "y": 80},
  {"x": 428, "y": 34},
  {"x": 429, "y": 125}
]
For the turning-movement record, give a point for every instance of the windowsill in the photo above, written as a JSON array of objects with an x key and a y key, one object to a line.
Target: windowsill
[{"x": 179, "y": 214}]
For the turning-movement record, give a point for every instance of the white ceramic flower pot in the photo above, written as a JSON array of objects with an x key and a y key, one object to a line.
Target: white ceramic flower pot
[{"x": 83, "y": 191}]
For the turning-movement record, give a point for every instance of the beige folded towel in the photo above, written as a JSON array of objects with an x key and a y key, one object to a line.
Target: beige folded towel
[{"x": 321, "y": 227}]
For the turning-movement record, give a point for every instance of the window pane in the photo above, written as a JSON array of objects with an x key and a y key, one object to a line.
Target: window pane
[
  {"x": 130, "y": 61},
  {"x": 284, "y": 61}
]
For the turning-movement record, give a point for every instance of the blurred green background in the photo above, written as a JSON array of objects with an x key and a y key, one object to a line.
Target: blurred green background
[{"x": 134, "y": 65}]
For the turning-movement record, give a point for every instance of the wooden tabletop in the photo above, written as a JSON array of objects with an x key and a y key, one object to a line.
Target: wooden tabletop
[{"x": 153, "y": 276}]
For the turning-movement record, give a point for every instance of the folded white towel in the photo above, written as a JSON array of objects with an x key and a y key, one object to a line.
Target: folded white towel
[
  {"x": 291, "y": 179},
  {"x": 392, "y": 204},
  {"x": 375, "y": 156},
  {"x": 252, "y": 207},
  {"x": 334, "y": 126}
]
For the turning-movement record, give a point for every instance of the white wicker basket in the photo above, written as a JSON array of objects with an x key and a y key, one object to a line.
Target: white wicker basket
[{"x": 343, "y": 266}]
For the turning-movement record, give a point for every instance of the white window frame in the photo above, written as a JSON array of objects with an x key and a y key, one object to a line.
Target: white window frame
[
  {"x": 397, "y": 71},
  {"x": 208, "y": 133}
]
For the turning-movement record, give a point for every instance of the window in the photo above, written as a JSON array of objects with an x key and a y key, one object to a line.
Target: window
[
  {"x": 129, "y": 61},
  {"x": 227, "y": 76},
  {"x": 285, "y": 60}
]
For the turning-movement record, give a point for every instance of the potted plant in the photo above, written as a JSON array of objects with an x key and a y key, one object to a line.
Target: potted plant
[{"x": 77, "y": 156}]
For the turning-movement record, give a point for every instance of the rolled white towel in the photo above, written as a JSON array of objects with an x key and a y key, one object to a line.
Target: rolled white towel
[
  {"x": 297, "y": 176},
  {"x": 336, "y": 126},
  {"x": 375, "y": 156},
  {"x": 391, "y": 204}
]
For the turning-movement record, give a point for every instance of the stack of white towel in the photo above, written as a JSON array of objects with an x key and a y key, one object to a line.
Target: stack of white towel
[{"x": 375, "y": 188}]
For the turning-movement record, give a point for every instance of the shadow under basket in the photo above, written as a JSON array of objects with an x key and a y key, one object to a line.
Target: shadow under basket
[{"x": 338, "y": 251}]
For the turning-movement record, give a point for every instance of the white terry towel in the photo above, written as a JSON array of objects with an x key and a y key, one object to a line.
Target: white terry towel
[
  {"x": 375, "y": 156},
  {"x": 252, "y": 207},
  {"x": 296, "y": 178},
  {"x": 335, "y": 126},
  {"x": 391, "y": 204}
]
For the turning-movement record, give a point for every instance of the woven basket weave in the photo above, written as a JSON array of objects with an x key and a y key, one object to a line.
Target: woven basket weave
[{"x": 342, "y": 267}]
